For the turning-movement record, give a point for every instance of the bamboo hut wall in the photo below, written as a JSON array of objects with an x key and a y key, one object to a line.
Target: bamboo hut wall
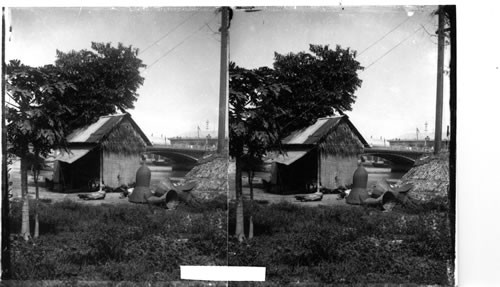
[
  {"x": 120, "y": 169},
  {"x": 339, "y": 156},
  {"x": 337, "y": 170},
  {"x": 121, "y": 156}
]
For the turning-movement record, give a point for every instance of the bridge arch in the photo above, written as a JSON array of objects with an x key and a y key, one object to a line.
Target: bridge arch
[
  {"x": 394, "y": 158},
  {"x": 180, "y": 155},
  {"x": 175, "y": 156}
]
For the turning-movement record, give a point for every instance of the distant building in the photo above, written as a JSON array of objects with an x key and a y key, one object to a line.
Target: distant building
[
  {"x": 159, "y": 140},
  {"x": 207, "y": 142},
  {"x": 426, "y": 144},
  {"x": 325, "y": 153},
  {"x": 107, "y": 151}
]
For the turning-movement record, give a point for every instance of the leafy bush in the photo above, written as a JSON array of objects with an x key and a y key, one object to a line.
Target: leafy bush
[
  {"x": 120, "y": 242},
  {"x": 347, "y": 245}
]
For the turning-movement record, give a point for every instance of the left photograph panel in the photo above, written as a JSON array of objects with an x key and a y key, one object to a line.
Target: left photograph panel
[{"x": 114, "y": 147}]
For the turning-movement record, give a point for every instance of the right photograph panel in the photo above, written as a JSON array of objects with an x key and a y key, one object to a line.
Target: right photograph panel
[{"x": 342, "y": 144}]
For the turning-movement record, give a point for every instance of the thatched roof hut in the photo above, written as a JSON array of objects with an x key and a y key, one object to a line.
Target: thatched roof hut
[
  {"x": 107, "y": 151},
  {"x": 323, "y": 154}
]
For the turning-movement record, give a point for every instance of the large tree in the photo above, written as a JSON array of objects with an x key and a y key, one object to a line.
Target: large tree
[
  {"x": 322, "y": 83},
  {"x": 252, "y": 129},
  {"x": 32, "y": 115},
  {"x": 268, "y": 104},
  {"x": 106, "y": 80},
  {"x": 49, "y": 102}
]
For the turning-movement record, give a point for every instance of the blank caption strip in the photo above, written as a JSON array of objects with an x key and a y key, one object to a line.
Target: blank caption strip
[{"x": 223, "y": 273}]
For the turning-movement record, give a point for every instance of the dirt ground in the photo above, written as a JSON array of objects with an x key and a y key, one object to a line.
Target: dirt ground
[
  {"x": 264, "y": 197},
  {"x": 261, "y": 196},
  {"x": 44, "y": 193},
  {"x": 114, "y": 198}
]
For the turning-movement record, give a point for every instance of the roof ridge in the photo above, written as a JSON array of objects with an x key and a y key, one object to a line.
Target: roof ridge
[
  {"x": 332, "y": 117},
  {"x": 115, "y": 115}
]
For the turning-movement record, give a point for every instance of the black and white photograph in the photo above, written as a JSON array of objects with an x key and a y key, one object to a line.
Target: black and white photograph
[
  {"x": 340, "y": 157},
  {"x": 251, "y": 144},
  {"x": 115, "y": 167}
]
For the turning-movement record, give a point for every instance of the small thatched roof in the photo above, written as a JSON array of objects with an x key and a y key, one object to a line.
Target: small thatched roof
[
  {"x": 333, "y": 135},
  {"x": 96, "y": 132},
  {"x": 110, "y": 132}
]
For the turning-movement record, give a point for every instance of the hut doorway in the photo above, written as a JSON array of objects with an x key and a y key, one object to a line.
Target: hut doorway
[
  {"x": 75, "y": 172},
  {"x": 295, "y": 172}
]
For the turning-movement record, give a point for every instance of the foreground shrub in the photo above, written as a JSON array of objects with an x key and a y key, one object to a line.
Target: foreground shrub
[
  {"x": 346, "y": 245},
  {"x": 121, "y": 242}
]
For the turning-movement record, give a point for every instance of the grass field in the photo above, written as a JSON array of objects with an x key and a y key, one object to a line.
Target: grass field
[
  {"x": 346, "y": 245},
  {"x": 118, "y": 242},
  {"x": 323, "y": 244}
]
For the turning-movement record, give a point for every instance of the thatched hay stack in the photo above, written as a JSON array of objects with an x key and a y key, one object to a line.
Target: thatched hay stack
[
  {"x": 430, "y": 178},
  {"x": 211, "y": 177}
]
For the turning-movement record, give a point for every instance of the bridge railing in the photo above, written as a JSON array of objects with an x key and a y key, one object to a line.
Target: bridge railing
[
  {"x": 444, "y": 147},
  {"x": 188, "y": 146}
]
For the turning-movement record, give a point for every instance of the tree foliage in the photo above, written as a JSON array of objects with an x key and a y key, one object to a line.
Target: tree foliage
[
  {"x": 33, "y": 123},
  {"x": 253, "y": 130},
  {"x": 34, "y": 108},
  {"x": 48, "y": 102},
  {"x": 321, "y": 83},
  {"x": 265, "y": 105},
  {"x": 106, "y": 78},
  {"x": 318, "y": 84}
]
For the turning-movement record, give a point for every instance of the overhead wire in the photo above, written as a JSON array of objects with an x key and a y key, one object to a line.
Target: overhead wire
[
  {"x": 383, "y": 37},
  {"x": 213, "y": 33},
  {"x": 180, "y": 43},
  {"x": 169, "y": 32},
  {"x": 427, "y": 32},
  {"x": 172, "y": 49},
  {"x": 367, "y": 67},
  {"x": 394, "y": 47}
]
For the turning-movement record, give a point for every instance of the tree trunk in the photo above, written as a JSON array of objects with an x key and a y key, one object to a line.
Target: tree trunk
[
  {"x": 250, "y": 223},
  {"x": 25, "y": 222},
  {"x": 250, "y": 227},
  {"x": 250, "y": 182},
  {"x": 240, "y": 230},
  {"x": 36, "y": 172}
]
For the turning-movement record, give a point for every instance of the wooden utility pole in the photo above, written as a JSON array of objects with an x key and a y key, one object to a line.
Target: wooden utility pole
[
  {"x": 224, "y": 30},
  {"x": 439, "y": 93},
  {"x": 451, "y": 13},
  {"x": 5, "y": 185}
]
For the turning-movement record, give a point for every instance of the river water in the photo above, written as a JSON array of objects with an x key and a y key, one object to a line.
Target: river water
[
  {"x": 376, "y": 173},
  {"x": 159, "y": 173}
]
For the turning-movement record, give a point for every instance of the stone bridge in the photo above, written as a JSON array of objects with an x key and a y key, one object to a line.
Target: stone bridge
[
  {"x": 178, "y": 153},
  {"x": 401, "y": 158}
]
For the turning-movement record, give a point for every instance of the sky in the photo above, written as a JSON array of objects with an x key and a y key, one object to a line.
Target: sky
[
  {"x": 180, "y": 46},
  {"x": 398, "y": 93}
]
